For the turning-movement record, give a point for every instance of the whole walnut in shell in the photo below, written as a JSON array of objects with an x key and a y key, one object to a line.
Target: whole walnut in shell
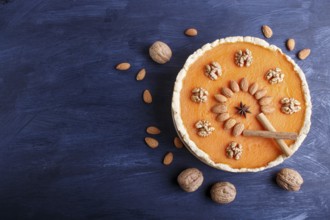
[
  {"x": 160, "y": 52},
  {"x": 223, "y": 192},
  {"x": 289, "y": 179},
  {"x": 190, "y": 179}
]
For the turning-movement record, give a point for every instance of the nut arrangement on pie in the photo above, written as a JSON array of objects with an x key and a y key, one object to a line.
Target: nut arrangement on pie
[{"x": 219, "y": 97}]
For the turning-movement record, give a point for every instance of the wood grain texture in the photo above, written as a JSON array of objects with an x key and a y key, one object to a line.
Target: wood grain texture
[{"x": 72, "y": 127}]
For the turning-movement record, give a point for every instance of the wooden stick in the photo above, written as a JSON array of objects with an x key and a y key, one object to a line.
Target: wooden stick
[
  {"x": 267, "y": 125},
  {"x": 271, "y": 134}
]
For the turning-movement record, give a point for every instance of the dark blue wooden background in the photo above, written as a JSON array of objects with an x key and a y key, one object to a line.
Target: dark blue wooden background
[{"x": 72, "y": 127}]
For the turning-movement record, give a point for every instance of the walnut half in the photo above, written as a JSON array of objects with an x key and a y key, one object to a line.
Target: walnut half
[
  {"x": 213, "y": 70},
  {"x": 204, "y": 128},
  {"x": 234, "y": 150},
  {"x": 289, "y": 179},
  {"x": 290, "y": 106},
  {"x": 243, "y": 58},
  {"x": 199, "y": 95},
  {"x": 274, "y": 76}
]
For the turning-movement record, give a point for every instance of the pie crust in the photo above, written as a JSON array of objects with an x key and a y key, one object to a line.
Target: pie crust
[{"x": 182, "y": 131}]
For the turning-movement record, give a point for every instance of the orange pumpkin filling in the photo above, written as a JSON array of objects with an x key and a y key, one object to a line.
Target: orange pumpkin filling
[{"x": 257, "y": 151}]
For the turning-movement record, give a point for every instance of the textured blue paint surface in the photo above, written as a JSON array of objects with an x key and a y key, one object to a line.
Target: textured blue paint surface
[{"x": 72, "y": 127}]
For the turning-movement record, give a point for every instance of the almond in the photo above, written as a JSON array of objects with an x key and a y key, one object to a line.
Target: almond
[
  {"x": 191, "y": 32},
  {"x": 290, "y": 44},
  {"x": 153, "y": 130},
  {"x": 168, "y": 158},
  {"x": 266, "y": 100},
  {"x": 244, "y": 85},
  {"x": 261, "y": 93},
  {"x": 227, "y": 92},
  {"x": 304, "y": 53},
  {"x": 141, "y": 74},
  {"x": 220, "y": 98},
  {"x": 151, "y": 142},
  {"x": 220, "y": 108},
  {"x": 253, "y": 88},
  {"x": 223, "y": 116},
  {"x": 238, "y": 129},
  {"x": 229, "y": 124},
  {"x": 123, "y": 66},
  {"x": 267, "y": 109},
  {"x": 147, "y": 97},
  {"x": 234, "y": 86},
  {"x": 177, "y": 142},
  {"x": 267, "y": 31}
]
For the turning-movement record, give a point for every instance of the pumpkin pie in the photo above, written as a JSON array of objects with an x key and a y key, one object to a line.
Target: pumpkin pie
[{"x": 220, "y": 94}]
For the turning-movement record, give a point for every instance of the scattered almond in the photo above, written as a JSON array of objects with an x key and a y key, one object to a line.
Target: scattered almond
[
  {"x": 178, "y": 143},
  {"x": 153, "y": 130},
  {"x": 304, "y": 53},
  {"x": 229, "y": 124},
  {"x": 191, "y": 32},
  {"x": 261, "y": 93},
  {"x": 223, "y": 116},
  {"x": 267, "y": 109},
  {"x": 244, "y": 84},
  {"x": 141, "y": 74},
  {"x": 253, "y": 88},
  {"x": 147, "y": 97},
  {"x": 267, "y": 31},
  {"x": 220, "y": 108},
  {"x": 227, "y": 92},
  {"x": 266, "y": 100},
  {"x": 151, "y": 142},
  {"x": 123, "y": 66},
  {"x": 290, "y": 44},
  {"x": 238, "y": 129},
  {"x": 220, "y": 98},
  {"x": 168, "y": 158},
  {"x": 234, "y": 86}
]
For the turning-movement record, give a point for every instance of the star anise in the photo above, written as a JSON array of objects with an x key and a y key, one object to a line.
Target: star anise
[{"x": 242, "y": 109}]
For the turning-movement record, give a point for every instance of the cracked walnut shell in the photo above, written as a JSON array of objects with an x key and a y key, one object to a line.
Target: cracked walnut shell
[
  {"x": 223, "y": 192},
  {"x": 289, "y": 179},
  {"x": 190, "y": 179}
]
